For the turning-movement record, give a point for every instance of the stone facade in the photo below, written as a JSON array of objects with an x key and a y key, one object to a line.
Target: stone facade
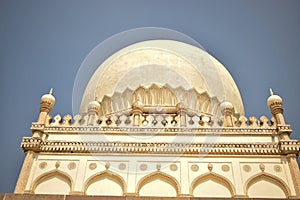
[{"x": 159, "y": 138}]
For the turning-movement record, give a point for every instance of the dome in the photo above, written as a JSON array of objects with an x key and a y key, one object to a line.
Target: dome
[
  {"x": 162, "y": 73},
  {"x": 225, "y": 105},
  {"x": 48, "y": 98},
  {"x": 94, "y": 104},
  {"x": 273, "y": 98}
]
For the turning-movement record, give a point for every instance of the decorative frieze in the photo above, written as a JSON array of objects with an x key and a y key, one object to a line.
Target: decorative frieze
[
  {"x": 283, "y": 147},
  {"x": 162, "y": 131}
]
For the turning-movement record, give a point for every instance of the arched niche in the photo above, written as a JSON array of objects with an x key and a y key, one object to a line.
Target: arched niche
[
  {"x": 54, "y": 182},
  {"x": 265, "y": 185},
  {"x": 105, "y": 183},
  {"x": 158, "y": 184},
  {"x": 212, "y": 185}
]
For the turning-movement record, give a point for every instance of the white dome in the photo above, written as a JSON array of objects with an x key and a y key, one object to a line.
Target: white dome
[{"x": 181, "y": 71}]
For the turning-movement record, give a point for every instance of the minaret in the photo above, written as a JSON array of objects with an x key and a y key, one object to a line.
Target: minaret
[
  {"x": 276, "y": 107},
  {"x": 46, "y": 104},
  {"x": 93, "y": 112},
  {"x": 227, "y": 112}
]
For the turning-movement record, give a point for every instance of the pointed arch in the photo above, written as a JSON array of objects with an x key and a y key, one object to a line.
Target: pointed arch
[
  {"x": 219, "y": 179},
  {"x": 263, "y": 176},
  {"x": 60, "y": 175},
  {"x": 107, "y": 174},
  {"x": 158, "y": 176},
  {"x": 155, "y": 95}
]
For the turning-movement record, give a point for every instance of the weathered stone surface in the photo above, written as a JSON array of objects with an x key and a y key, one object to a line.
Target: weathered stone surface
[
  {"x": 82, "y": 197},
  {"x": 33, "y": 197}
]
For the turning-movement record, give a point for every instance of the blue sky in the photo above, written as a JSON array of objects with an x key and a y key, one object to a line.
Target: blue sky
[{"x": 43, "y": 44}]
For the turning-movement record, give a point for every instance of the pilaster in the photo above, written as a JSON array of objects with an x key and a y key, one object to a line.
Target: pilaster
[
  {"x": 238, "y": 181},
  {"x": 25, "y": 172}
]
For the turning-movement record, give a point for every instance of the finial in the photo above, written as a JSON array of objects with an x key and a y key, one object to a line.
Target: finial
[
  {"x": 96, "y": 98},
  {"x": 271, "y": 92},
  {"x": 51, "y": 90}
]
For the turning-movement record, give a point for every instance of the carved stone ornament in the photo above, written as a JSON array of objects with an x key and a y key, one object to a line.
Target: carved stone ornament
[
  {"x": 57, "y": 120},
  {"x": 246, "y": 168},
  {"x": 71, "y": 165},
  {"x": 42, "y": 165},
  {"x": 143, "y": 167},
  {"x": 225, "y": 168},
  {"x": 262, "y": 167},
  {"x": 57, "y": 164},
  {"x": 122, "y": 166},
  {"x": 194, "y": 168},
  {"x": 92, "y": 166},
  {"x": 277, "y": 168},
  {"x": 173, "y": 167},
  {"x": 158, "y": 166},
  {"x": 67, "y": 120},
  {"x": 107, "y": 165},
  {"x": 210, "y": 166}
]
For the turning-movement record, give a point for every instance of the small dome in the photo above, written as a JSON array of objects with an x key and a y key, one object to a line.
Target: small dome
[
  {"x": 94, "y": 104},
  {"x": 138, "y": 104},
  {"x": 273, "y": 98},
  {"x": 94, "y": 107},
  {"x": 49, "y": 98},
  {"x": 181, "y": 105},
  {"x": 226, "y": 104}
]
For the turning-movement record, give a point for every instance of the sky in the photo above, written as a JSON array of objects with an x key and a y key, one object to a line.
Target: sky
[{"x": 43, "y": 43}]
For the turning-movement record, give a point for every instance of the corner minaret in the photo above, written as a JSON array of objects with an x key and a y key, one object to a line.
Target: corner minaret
[
  {"x": 276, "y": 107},
  {"x": 46, "y": 105},
  {"x": 284, "y": 131}
]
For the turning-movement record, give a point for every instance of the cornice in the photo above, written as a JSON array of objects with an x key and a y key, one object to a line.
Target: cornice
[
  {"x": 162, "y": 131},
  {"x": 280, "y": 148}
]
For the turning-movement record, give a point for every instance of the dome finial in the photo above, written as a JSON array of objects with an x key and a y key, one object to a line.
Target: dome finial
[
  {"x": 271, "y": 92},
  {"x": 51, "y": 91}
]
